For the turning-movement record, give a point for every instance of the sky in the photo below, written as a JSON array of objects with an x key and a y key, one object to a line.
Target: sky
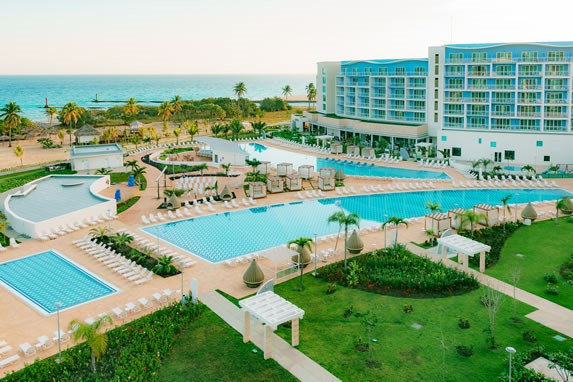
[{"x": 254, "y": 36}]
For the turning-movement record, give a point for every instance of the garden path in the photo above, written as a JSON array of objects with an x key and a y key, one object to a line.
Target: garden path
[{"x": 548, "y": 313}]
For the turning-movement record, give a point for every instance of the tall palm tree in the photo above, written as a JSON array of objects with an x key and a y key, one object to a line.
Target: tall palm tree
[
  {"x": 177, "y": 103},
  {"x": 71, "y": 113},
  {"x": 240, "y": 89},
  {"x": 130, "y": 108},
  {"x": 303, "y": 244},
  {"x": 506, "y": 207},
  {"x": 310, "y": 93},
  {"x": 286, "y": 90},
  {"x": 346, "y": 221},
  {"x": 135, "y": 139},
  {"x": 216, "y": 129},
  {"x": 19, "y": 152},
  {"x": 395, "y": 222},
  {"x": 96, "y": 341},
  {"x": 50, "y": 112},
  {"x": 235, "y": 126},
  {"x": 192, "y": 128},
  {"x": 472, "y": 218},
  {"x": 165, "y": 110},
  {"x": 259, "y": 126},
  {"x": 11, "y": 116}
]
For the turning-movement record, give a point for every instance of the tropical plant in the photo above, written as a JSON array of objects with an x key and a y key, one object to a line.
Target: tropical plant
[
  {"x": 236, "y": 126},
  {"x": 254, "y": 163},
  {"x": 177, "y": 103},
  {"x": 122, "y": 239},
  {"x": 433, "y": 207},
  {"x": 61, "y": 135},
  {"x": 494, "y": 300},
  {"x": 346, "y": 221},
  {"x": 216, "y": 129},
  {"x": 240, "y": 89},
  {"x": 303, "y": 245},
  {"x": 96, "y": 341},
  {"x": 225, "y": 128},
  {"x": 259, "y": 127},
  {"x": 486, "y": 162},
  {"x": 165, "y": 110},
  {"x": 130, "y": 108},
  {"x": 191, "y": 127},
  {"x": 70, "y": 114},
  {"x": 11, "y": 117},
  {"x": 3, "y": 222},
  {"x": 496, "y": 169},
  {"x": 176, "y": 131},
  {"x": 529, "y": 169},
  {"x": 395, "y": 222},
  {"x": 103, "y": 171},
  {"x": 286, "y": 91},
  {"x": 472, "y": 218},
  {"x": 19, "y": 152},
  {"x": 165, "y": 266},
  {"x": 560, "y": 205},
  {"x": 135, "y": 139},
  {"x": 137, "y": 173},
  {"x": 554, "y": 168},
  {"x": 226, "y": 167},
  {"x": 506, "y": 208},
  {"x": 132, "y": 164},
  {"x": 310, "y": 93},
  {"x": 99, "y": 233},
  {"x": 50, "y": 112}
]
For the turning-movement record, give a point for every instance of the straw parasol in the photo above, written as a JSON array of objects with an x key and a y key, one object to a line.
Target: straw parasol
[
  {"x": 253, "y": 276},
  {"x": 354, "y": 244},
  {"x": 339, "y": 176},
  {"x": 226, "y": 194},
  {"x": 529, "y": 212},
  {"x": 174, "y": 201}
]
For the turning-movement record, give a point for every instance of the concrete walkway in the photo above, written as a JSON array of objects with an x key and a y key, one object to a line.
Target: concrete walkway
[
  {"x": 549, "y": 314},
  {"x": 298, "y": 364}
]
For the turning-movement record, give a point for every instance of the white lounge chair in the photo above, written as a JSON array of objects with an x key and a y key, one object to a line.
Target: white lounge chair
[
  {"x": 119, "y": 313},
  {"x": 10, "y": 360},
  {"x": 27, "y": 349},
  {"x": 130, "y": 308},
  {"x": 145, "y": 303}
]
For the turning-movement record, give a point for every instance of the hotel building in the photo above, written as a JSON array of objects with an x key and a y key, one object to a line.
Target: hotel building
[{"x": 509, "y": 102}]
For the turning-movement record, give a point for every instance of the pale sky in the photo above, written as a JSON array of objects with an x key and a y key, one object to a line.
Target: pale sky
[{"x": 254, "y": 36}]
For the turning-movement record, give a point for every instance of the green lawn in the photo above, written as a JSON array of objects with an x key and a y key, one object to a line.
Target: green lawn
[
  {"x": 210, "y": 350},
  {"x": 406, "y": 353},
  {"x": 545, "y": 246},
  {"x": 10, "y": 181}
]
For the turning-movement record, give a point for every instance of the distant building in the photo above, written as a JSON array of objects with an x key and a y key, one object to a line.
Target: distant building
[
  {"x": 87, "y": 134},
  {"x": 92, "y": 157}
]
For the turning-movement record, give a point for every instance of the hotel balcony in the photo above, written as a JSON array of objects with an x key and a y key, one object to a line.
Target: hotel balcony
[
  {"x": 476, "y": 100},
  {"x": 478, "y": 87},
  {"x": 454, "y": 125},
  {"x": 503, "y": 74},
  {"x": 455, "y": 100},
  {"x": 556, "y": 87},
  {"x": 477, "y": 126},
  {"x": 453, "y": 113},
  {"x": 503, "y": 100},
  {"x": 556, "y": 101},
  {"x": 417, "y": 85},
  {"x": 478, "y": 113},
  {"x": 522, "y": 60},
  {"x": 556, "y": 74},
  {"x": 503, "y": 87},
  {"x": 454, "y": 86},
  {"x": 531, "y": 87},
  {"x": 556, "y": 115},
  {"x": 473, "y": 73},
  {"x": 529, "y": 101},
  {"x": 530, "y": 73},
  {"x": 528, "y": 114},
  {"x": 455, "y": 73},
  {"x": 411, "y": 96},
  {"x": 502, "y": 114}
]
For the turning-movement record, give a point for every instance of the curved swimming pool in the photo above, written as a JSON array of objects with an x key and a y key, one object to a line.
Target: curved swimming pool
[{"x": 223, "y": 236}]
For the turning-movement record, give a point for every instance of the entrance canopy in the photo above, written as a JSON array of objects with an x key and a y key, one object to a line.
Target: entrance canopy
[{"x": 464, "y": 246}]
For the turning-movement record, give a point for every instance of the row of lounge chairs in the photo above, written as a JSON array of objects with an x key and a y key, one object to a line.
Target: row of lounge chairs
[
  {"x": 64, "y": 229},
  {"x": 6, "y": 349},
  {"x": 433, "y": 163},
  {"x": 145, "y": 149},
  {"x": 159, "y": 251},
  {"x": 293, "y": 144},
  {"x": 309, "y": 194},
  {"x": 129, "y": 269},
  {"x": 505, "y": 183},
  {"x": 244, "y": 203}
]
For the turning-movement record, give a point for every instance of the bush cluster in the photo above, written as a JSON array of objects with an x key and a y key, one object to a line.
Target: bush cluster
[
  {"x": 135, "y": 351},
  {"x": 396, "y": 271},
  {"x": 495, "y": 237},
  {"x": 566, "y": 269}
]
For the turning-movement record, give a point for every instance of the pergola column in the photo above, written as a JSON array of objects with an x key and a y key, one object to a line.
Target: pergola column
[
  {"x": 444, "y": 252},
  {"x": 460, "y": 258},
  {"x": 466, "y": 260},
  {"x": 247, "y": 331},
  {"x": 267, "y": 341},
  {"x": 482, "y": 262},
  {"x": 294, "y": 332}
]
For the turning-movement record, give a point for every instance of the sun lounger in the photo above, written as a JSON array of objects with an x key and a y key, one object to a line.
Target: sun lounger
[
  {"x": 5, "y": 348},
  {"x": 119, "y": 313},
  {"x": 27, "y": 349},
  {"x": 145, "y": 279},
  {"x": 10, "y": 360},
  {"x": 159, "y": 298},
  {"x": 145, "y": 303},
  {"x": 130, "y": 308}
]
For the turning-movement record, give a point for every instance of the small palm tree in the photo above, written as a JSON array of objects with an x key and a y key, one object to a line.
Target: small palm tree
[
  {"x": 433, "y": 207},
  {"x": 165, "y": 266},
  {"x": 254, "y": 163},
  {"x": 51, "y": 111},
  {"x": 137, "y": 173},
  {"x": 286, "y": 90},
  {"x": 216, "y": 129},
  {"x": 472, "y": 218},
  {"x": 506, "y": 208},
  {"x": 554, "y": 168},
  {"x": 259, "y": 126},
  {"x": 3, "y": 222},
  {"x": 310, "y": 93},
  {"x": 103, "y": 171},
  {"x": 11, "y": 115},
  {"x": 303, "y": 244},
  {"x": 225, "y": 128},
  {"x": 346, "y": 221},
  {"x": 122, "y": 239},
  {"x": 96, "y": 341},
  {"x": 226, "y": 167},
  {"x": 192, "y": 128},
  {"x": 240, "y": 89},
  {"x": 71, "y": 113},
  {"x": 99, "y": 232},
  {"x": 130, "y": 108},
  {"x": 395, "y": 221},
  {"x": 236, "y": 126},
  {"x": 131, "y": 163},
  {"x": 176, "y": 131},
  {"x": 496, "y": 169},
  {"x": 177, "y": 103},
  {"x": 486, "y": 162},
  {"x": 61, "y": 135},
  {"x": 135, "y": 139},
  {"x": 529, "y": 169},
  {"x": 19, "y": 152}
]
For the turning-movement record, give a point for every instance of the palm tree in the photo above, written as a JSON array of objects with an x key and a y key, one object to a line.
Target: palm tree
[
  {"x": 216, "y": 129},
  {"x": 19, "y": 152},
  {"x": 96, "y": 341},
  {"x": 11, "y": 115},
  {"x": 240, "y": 89},
  {"x": 259, "y": 126},
  {"x": 135, "y": 139},
  {"x": 130, "y": 108},
  {"x": 344, "y": 220},
  {"x": 254, "y": 163},
  {"x": 61, "y": 135},
  {"x": 287, "y": 90},
  {"x": 131, "y": 163},
  {"x": 137, "y": 173},
  {"x": 103, "y": 171},
  {"x": 71, "y": 113},
  {"x": 486, "y": 162},
  {"x": 191, "y": 127},
  {"x": 506, "y": 207},
  {"x": 3, "y": 223},
  {"x": 561, "y": 205},
  {"x": 235, "y": 126},
  {"x": 529, "y": 169},
  {"x": 554, "y": 168},
  {"x": 433, "y": 207},
  {"x": 226, "y": 167},
  {"x": 395, "y": 222},
  {"x": 472, "y": 218},
  {"x": 303, "y": 244},
  {"x": 50, "y": 112},
  {"x": 165, "y": 266},
  {"x": 122, "y": 239},
  {"x": 176, "y": 131},
  {"x": 99, "y": 233},
  {"x": 165, "y": 110},
  {"x": 177, "y": 103},
  {"x": 310, "y": 93}
]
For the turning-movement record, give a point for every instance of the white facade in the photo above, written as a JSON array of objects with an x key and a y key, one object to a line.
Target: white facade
[
  {"x": 326, "y": 87},
  {"x": 93, "y": 157}
]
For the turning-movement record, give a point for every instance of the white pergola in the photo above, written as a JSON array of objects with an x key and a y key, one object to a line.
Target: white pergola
[
  {"x": 281, "y": 256},
  {"x": 271, "y": 310},
  {"x": 466, "y": 248}
]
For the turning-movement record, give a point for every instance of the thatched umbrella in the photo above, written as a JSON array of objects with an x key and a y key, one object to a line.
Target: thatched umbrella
[
  {"x": 529, "y": 212},
  {"x": 174, "y": 201},
  {"x": 253, "y": 276},
  {"x": 339, "y": 176},
  {"x": 354, "y": 244},
  {"x": 304, "y": 256},
  {"x": 568, "y": 206},
  {"x": 226, "y": 194}
]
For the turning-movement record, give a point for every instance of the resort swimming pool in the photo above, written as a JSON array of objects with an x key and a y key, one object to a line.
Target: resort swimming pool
[
  {"x": 223, "y": 236},
  {"x": 48, "y": 277},
  {"x": 276, "y": 156}
]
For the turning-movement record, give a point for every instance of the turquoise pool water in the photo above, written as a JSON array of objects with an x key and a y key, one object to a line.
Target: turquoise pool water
[
  {"x": 512, "y": 168},
  {"x": 223, "y": 236},
  {"x": 276, "y": 156},
  {"x": 45, "y": 278},
  {"x": 52, "y": 198}
]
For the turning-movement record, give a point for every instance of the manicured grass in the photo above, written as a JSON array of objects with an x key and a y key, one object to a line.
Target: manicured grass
[
  {"x": 122, "y": 177},
  {"x": 545, "y": 246},
  {"x": 407, "y": 354},
  {"x": 124, "y": 206},
  {"x": 10, "y": 181},
  {"x": 210, "y": 350}
]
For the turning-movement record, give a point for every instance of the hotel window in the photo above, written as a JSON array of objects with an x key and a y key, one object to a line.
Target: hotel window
[
  {"x": 436, "y": 117},
  {"x": 478, "y": 83},
  {"x": 509, "y": 155},
  {"x": 539, "y": 143},
  {"x": 528, "y": 83},
  {"x": 478, "y": 96},
  {"x": 503, "y": 56},
  {"x": 500, "y": 124},
  {"x": 503, "y": 83},
  {"x": 479, "y": 56},
  {"x": 478, "y": 70},
  {"x": 435, "y": 82},
  {"x": 436, "y": 70},
  {"x": 554, "y": 98},
  {"x": 417, "y": 94},
  {"x": 555, "y": 84},
  {"x": 455, "y": 57},
  {"x": 436, "y": 93},
  {"x": 546, "y": 158},
  {"x": 556, "y": 70},
  {"x": 420, "y": 70},
  {"x": 528, "y": 70},
  {"x": 478, "y": 123},
  {"x": 528, "y": 56},
  {"x": 527, "y": 124},
  {"x": 418, "y": 105},
  {"x": 479, "y": 141},
  {"x": 456, "y": 151},
  {"x": 455, "y": 83},
  {"x": 383, "y": 71},
  {"x": 457, "y": 70},
  {"x": 553, "y": 125},
  {"x": 492, "y": 144},
  {"x": 555, "y": 56},
  {"x": 528, "y": 97},
  {"x": 444, "y": 138},
  {"x": 504, "y": 70},
  {"x": 502, "y": 98},
  {"x": 502, "y": 110},
  {"x": 437, "y": 58},
  {"x": 454, "y": 96},
  {"x": 435, "y": 105},
  {"x": 527, "y": 111},
  {"x": 478, "y": 110},
  {"x": 367, "y": 71},
  {"x": 323, "y": 71},
  {"x": 323, "y": 80},
  {"x": 400, "y": 71},
  {"x": 420, "y": 117}
]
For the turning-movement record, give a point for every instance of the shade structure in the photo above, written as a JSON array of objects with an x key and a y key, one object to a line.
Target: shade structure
[
  {"x": 283, "y": 169},
  {"x": 456, "y": 217},
  {"x": 275, "y": 184},
  {"x": 490, "y": 212},
  {"x": 226, "y": 194},
  {"x": 117, "y": 195},
  {"x": 339, "y": 176},
  {"x": 465, "y": 247},
  {"x": 438, "y": 222},
  {"x": 368, "y": 152},
  {"x": 257, "y": 190},
  {"x": 568, "y": 206},
  {"x": 306, "y": 171},
  {"x": 354, "y": 244},
  {"x": 326, "y": 183},
  {"x": 353, "y": 150},
  {"x": 174, "y": 201},
  {"x": 293, "y": 182},
  {"x": 264, "y": 167},
  {"x": 302, "y": 256},
  {"x": 327, "y": 172},
  {"x": 336, "y": 148},
  {"x": 529, "y": 212},
  {"x": 253, "y": 276}
]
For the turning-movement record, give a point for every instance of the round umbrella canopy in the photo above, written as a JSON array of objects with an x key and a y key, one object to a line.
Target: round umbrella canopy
[
  {"x": 354, "y": 244},
  {"x": 254, "y": 275},
  {"x": 529, "y": 212}
]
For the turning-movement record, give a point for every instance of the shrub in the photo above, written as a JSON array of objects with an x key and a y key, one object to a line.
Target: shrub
[
  {"x": 465, "y": 351},
  {"x": 550, "y": 278},
  {"x": 566, "y": 269},
  {"x": 464, "y": 323},
  {"x": 348, "y": 312},
  {"x": 408, "y": 308},
  {"x": 552, "y": 289},
  {"x": 330, "y": 288},
  {"x": 529, "y": 336},
  {"x": 353, "y": 276},
  {"x": 485, "y": 301},
  {"x": 495, "y": 237},
  {"x": 48, "y": 143}
]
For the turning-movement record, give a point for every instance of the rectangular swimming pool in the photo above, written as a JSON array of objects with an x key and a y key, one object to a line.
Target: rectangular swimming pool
[{"x": 45, "y": 278}]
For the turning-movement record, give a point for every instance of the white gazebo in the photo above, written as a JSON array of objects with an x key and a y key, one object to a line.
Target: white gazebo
[
  {"x": 465, "y": 248},
  {"x": 437, "y": 222},
  {"x": 275, "y": 184},
  {"x": 264, "y": 168},
  {"x": 283, "y": 169},
  {"x": 324, "y": 139},
  {"x": 257, "y": 190},
  {"x": 293, "y": 182},
  {"x": 336, "y": 148},
  {"x": 306, "y": 171},
  {"x": 271, "y": 310}
]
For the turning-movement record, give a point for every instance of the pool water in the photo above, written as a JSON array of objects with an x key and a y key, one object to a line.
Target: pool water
[
  {"x": 45, "y": 278},
  {"x": 512, "y": 168},
  {"x": 276, "y": 156},
  {"x": 223, "y": 236}
]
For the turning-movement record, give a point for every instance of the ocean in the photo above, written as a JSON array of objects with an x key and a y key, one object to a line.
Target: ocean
[{"x": 30, "y": 92}]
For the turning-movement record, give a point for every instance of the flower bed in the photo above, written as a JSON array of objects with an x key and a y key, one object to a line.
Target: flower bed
[
  {"x": 399, "y": 272},
  {"x": 135, "y": 351}
]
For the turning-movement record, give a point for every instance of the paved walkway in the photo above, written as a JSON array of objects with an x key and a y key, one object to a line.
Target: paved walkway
[
  {"x": 552, "y": 315},
  {"x": 288, "y": 357}
]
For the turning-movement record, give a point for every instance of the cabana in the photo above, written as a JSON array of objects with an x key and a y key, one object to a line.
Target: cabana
[
  {"x": 336, "y": 148},
  {"x": 293, "y": 182},
  {"x": 326, "y": 183},
  {"x": 324, "y": 139},
  {"x": 271, "y": 310},
  {"x": 87, "y": 134},
  {"x": 275, "y": 184},
  {"x": 368, "y": 152},
  {"x": 327, "y": 172},
  {"x": 353, "y": 150},
  {"x": 306, "y": 171},
  {"x": 490, "y": 212},
  {"x": 264, "y": 167},
  {"x": 437, "y": 222},
  {"x": 257, "y": 190},
  {"x": 456, "y": 217},
  {"x": 464, "y": 247},
  {"x": 283, "y": 169}
]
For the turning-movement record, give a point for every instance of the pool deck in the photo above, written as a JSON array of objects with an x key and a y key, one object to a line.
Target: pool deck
[{"x": 21, "y": 323}]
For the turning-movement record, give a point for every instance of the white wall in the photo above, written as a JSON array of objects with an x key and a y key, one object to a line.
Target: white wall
[
  {"x": 101, "y": 161},
  {"x": 87, "y": 138},
  {"x": 331, "y": 69}
]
